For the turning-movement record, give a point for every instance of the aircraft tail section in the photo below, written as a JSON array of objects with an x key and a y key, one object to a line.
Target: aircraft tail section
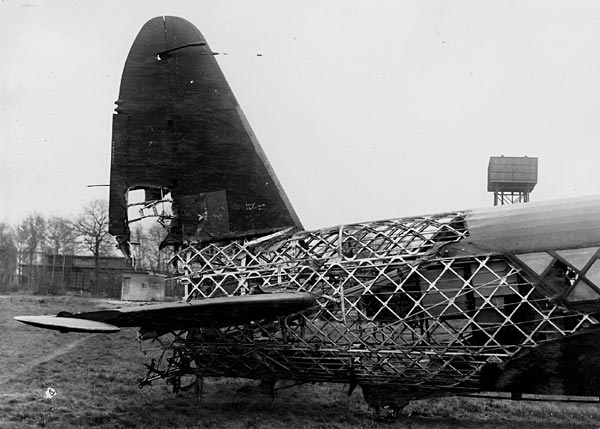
[{"x": 179, "y": 131}]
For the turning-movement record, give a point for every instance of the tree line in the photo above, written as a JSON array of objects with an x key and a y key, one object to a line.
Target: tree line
[{"x": 36, "y": 236}]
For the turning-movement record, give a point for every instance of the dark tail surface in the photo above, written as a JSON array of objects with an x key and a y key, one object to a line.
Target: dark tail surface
[{"x": 178, "y": 129}]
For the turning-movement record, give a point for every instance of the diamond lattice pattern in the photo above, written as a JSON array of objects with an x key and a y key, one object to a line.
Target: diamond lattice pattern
[{"x": 390, "y": 309}]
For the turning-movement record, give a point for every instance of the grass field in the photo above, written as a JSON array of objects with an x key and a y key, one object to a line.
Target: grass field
[{"x": 95, "y": 380}]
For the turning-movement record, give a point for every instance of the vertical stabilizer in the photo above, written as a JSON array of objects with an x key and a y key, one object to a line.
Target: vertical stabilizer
[{"x": 179, "y": 130}]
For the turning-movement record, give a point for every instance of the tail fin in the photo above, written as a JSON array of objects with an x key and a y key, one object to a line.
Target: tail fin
[{"x": 178, "y": 129}]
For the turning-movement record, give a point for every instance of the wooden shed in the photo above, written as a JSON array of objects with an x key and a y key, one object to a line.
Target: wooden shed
[{"x": 143, "y": 286}]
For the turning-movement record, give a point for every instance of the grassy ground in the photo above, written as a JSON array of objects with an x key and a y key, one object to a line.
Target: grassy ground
[{"x": 95, "y": 379}]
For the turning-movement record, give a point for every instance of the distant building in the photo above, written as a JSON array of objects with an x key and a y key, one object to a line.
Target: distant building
[
  {"x": 143, "y": 286},
  {"x": 76, "y": 273}
]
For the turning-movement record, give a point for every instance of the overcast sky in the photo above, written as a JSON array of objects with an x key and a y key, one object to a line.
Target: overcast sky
[{"x": 366, "y": 110}]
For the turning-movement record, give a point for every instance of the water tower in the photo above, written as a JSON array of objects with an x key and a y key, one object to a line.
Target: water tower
[{"x": 512, "y": 178}]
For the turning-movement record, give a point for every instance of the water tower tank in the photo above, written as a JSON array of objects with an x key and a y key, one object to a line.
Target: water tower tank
[{"x": 512, "y": 178}]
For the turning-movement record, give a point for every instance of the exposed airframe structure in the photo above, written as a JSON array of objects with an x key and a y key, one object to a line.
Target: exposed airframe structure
[
  {"x": 411, "y": 307},
  {"x": 415, "y": 306},
  {"x": 500, "y": 299}
]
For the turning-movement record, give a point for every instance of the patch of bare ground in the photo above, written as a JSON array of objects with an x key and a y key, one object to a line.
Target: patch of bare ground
[{"x": 96, "y": 383}]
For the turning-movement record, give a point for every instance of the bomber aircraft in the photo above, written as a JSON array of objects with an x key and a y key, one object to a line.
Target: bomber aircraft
[{"x": 500, "y": 299}]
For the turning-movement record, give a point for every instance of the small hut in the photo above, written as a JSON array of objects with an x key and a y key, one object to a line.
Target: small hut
[{"x": 143, "y": 286}]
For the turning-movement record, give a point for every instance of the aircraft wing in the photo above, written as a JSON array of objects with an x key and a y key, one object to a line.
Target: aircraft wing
[{"x": 210, "y": 312}]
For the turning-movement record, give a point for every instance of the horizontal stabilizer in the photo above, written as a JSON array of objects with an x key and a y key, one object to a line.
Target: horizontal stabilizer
[
  {"x": 67, "y": 324},
  {"x": 209, "y": 312}
]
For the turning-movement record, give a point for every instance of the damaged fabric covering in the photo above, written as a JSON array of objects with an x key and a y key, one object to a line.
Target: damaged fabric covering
[
  {"x": 564, "y": 366},
  {"x": 531, "y": 227},
  {"x": 179, "y": 128}
]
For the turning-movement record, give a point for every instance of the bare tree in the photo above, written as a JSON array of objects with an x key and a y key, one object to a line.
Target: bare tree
[
  {"x": 92, "y": 226},
  {"x": 61, "y": 238},
  {"x": 8, "y": 257},
  {"x": 158, "y": 257},
  {"x": 140, "y": 249},
  {"x": 30, "y": 241},
  {"x": 146, "y": 249}
]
